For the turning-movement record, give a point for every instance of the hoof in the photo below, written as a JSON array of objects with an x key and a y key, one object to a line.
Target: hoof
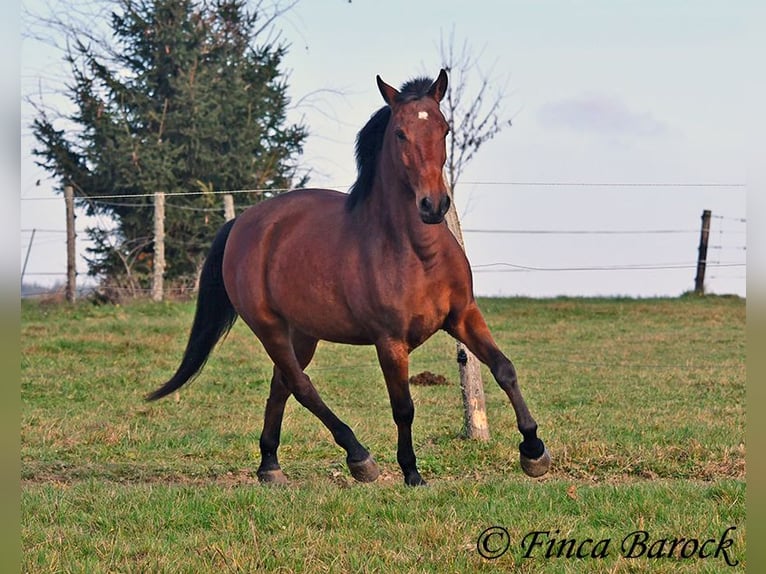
[
  {"x": 535, "y": 467},
  {"x": 415, "y": 481},
  {"x": 276, "y": 477},
  {"x": 365, "y": 470}
]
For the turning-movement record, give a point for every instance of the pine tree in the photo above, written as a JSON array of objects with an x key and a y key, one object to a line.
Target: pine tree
[{"x": 187, "y": 101}]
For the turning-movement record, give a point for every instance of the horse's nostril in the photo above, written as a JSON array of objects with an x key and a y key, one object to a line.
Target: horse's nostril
[
  {"x": 426, "y": 205},
  {"x": 444, "y": 204}
]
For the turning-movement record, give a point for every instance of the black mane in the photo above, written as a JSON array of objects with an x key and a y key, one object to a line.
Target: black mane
[{"x": 369, "y": 141}]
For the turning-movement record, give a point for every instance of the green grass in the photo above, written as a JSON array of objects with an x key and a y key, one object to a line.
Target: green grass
[{"x": 641, "y": 403}]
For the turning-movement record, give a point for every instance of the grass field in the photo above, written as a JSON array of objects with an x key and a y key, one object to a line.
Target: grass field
[{"x": 641, "y": 403}]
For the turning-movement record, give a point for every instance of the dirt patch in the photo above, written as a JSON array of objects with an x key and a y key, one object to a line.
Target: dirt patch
[
  {"x": 65, "y": 475},
  {"x": 428, "y": 379}
]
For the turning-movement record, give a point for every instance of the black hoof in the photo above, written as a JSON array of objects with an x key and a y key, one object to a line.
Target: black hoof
[
  {"x": 365, "y": 470},
  {"x": 415, "y": 480}
]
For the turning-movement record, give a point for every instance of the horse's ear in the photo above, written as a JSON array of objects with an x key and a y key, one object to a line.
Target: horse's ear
[
  {"x": 439, "y": 87},
  {"x": 389, "y": 93}
]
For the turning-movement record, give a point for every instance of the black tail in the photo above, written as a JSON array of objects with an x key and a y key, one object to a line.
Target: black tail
[{"x": 213, "y": 318}]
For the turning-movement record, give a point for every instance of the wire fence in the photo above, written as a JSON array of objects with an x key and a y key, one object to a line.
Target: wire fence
[{"x": 727, "y": 234}]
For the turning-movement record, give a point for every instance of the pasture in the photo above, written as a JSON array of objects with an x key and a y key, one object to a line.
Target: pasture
[{"x": 641, "y": 403}]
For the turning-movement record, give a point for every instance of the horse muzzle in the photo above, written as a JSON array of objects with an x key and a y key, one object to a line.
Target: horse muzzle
[{"x": 432, "y": 213}]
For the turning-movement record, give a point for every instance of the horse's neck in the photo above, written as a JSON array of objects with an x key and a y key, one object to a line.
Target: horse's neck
[{"x": 393, "y": 219}]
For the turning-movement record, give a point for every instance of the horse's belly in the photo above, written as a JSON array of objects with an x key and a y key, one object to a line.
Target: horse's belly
[{"x": 324, "y": 315}]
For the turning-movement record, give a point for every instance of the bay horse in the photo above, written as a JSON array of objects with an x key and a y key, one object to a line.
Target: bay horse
[{"x": 377, "y": 266}]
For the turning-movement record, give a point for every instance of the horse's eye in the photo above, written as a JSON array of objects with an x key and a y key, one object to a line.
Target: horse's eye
[{"x": 400, "y": 135}]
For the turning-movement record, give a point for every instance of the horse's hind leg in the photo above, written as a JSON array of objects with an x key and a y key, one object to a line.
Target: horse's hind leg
[
  {"x": 279, "y": 347},
  {"x": 269, "y": 470}
]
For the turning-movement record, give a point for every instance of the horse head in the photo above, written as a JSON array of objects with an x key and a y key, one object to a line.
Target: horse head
[{"x": 416, "y": 139}]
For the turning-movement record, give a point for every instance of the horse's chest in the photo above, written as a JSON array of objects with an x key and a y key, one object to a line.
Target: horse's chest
[
  {"x": 421, "y": 327},
  {"x": 425, "y": 314}
]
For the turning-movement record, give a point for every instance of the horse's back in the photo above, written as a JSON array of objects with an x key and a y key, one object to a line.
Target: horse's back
[
  {"x": 288, "y": 258},
  {"x": 299, "y": 203},
  {"x": 300, "y": 212}
]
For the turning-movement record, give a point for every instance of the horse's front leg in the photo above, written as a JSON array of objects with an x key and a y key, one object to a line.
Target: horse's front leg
[
  {"x": 394, "y": 360},
  {"x": 470, "y": 328}
]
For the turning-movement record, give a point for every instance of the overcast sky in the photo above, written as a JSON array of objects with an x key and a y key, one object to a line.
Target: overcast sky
[{"x": 604, "y": 97}]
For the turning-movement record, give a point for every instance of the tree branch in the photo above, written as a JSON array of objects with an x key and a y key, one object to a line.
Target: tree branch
[{"x": 473, "y": 120}]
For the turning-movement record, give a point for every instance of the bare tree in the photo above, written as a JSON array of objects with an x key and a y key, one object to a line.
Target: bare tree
[{"x": 474, "y": 119}]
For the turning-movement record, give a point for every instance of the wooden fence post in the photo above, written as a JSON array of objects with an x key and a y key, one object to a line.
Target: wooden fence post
[
  {"x": 475, "y": 423},
  {"x": 159, "y": 246},
  {"x": 699, "y": 280},
  {"x": 228, "y": 206},
  {"x": 71, "y": 261}
]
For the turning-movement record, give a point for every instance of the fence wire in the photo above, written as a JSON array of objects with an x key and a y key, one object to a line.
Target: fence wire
[{"x": 496, "y": 267}]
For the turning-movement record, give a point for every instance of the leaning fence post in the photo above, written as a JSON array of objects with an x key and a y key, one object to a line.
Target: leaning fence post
[
  {"x": 26, "y": 258},
  {"x": 699, "y": 280},
  {"x": 71, "y": 261}
]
